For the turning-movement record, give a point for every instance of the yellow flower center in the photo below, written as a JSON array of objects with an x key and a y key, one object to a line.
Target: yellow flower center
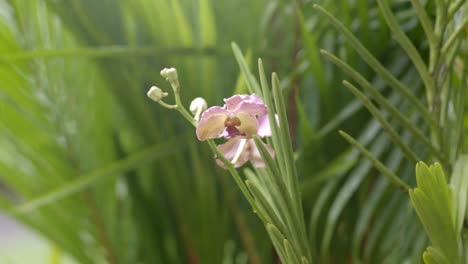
[{"x": 232, "y": 122}]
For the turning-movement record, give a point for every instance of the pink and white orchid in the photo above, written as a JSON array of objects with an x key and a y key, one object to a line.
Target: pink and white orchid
[{"x": 241, "y": 117}]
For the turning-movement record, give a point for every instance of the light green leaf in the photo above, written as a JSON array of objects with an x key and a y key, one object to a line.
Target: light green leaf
[
  {"x": 433, "y": 202},
  {"x": 434, "y": 256},
  {"x": 459, "y": 184}
]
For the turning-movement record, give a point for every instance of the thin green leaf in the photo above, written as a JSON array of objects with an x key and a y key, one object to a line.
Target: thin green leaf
[
  {"x": 385, "y": 124},
  {"x": 378, "y": 67},
  {"x": 312, "y": 54},
  {"x": 425, "y": 22},
  {"x": 397, "y": 114},
  {"x": 410, "y": 49},
  {"x": 290, "y": 252},
  {"x": 381, "y": 167},
  {"x": 277, "y": 238},
  {"x": 267, "y": 212},
  {"x": 249, "y": 79},
  {"x": 459, "y": 184},
  {"x": 275, "y": 130},
  {"x": 453, "y": 37}
]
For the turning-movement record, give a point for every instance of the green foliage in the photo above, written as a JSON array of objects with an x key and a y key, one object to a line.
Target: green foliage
[
  {"x": 459, "y": 183},
  {"x": 434, "y": 203},
  {"x": 88, "y": 162}
]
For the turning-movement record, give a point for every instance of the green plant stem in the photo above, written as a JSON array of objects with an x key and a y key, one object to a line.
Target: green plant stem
[
  {"x": 439, "y": 32},
  {"x": 239, "y": 218},
  {"x": 168, "y": 106},
  {"x": 234, "y": 173},
  {"x": 425, "y": 22},
  {"x": 451, "y": 40},
  {"x": 441, "y": 12},
  {"x": 454, "y": 8},
  {"x": 180, "y": 107}
]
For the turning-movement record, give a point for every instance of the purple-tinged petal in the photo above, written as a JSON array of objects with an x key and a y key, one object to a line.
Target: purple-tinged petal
[
  {"x": 232, "y": 102},
  {"x": 264, "y": 128},
  {"x": 254, "y": 154},
  {"x": 248, "y": 124},
  {"x": 253, "y": 98},
  {"x": 230, "y": 149},
  {"x": 252, "y": 108},
  {"x": 211, "y": 123}
]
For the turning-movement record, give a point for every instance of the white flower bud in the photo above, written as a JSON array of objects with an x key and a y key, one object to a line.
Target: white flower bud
[
  {"x": 197, "y": 106},
  {"x": 156, "y": 94},
  {"x": 169, "y": 74},
  {"x": 198, "y": 103}
]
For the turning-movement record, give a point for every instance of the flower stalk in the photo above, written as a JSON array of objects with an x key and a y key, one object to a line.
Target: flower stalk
[{"x": 243, "y": 121}]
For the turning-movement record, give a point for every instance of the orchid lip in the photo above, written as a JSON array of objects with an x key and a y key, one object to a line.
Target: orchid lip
[{"x": 232, "y": 121}]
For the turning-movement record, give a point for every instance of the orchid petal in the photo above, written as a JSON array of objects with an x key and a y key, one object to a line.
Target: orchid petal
[
  {"x": 264, "y": 128},
  {"x": 253, "y": 98},
  {"x": 211, "y": 123},
  {"x": 254, "y": 154},
  {"x": 249, "y": 124},
  {"x": 229, "y": 151},
  {"x": 243, "y": 102},
  {"x": 252, "y": 108},
  {"x": 232, "y": 102}
]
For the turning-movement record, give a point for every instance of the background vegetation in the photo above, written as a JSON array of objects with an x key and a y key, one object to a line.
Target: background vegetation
[{"x": 95, "y": 167}]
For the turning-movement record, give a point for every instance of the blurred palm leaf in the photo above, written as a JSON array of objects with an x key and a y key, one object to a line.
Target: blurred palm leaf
[{"x": 89, "y": 163}]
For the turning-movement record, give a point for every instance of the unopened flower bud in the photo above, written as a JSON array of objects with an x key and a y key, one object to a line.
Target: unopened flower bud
[
  {"x": 197, "y": 106},
  {"x": 169, "y": 74},
  {"x": 198, "y": 103},
  {"x": 156, "y": 94}
]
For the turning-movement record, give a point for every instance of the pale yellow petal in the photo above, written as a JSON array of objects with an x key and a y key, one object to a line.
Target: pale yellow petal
[{"x": 249, "y": 124}]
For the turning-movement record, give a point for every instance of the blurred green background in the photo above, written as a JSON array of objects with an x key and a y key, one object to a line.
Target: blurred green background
[{"x": 105, "y": 175}]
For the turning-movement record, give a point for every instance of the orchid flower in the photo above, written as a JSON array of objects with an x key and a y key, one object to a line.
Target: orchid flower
[{"x": 242, "y": 117}]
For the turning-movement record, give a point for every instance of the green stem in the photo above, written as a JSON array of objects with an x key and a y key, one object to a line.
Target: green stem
[
  {"x": 454, "y": 8},
  {"x": 246, "y": 235},
  {"x": 451, "y": 40},
  {"x": 425, "y": 22},
  {"x": 237, "y": 178}
]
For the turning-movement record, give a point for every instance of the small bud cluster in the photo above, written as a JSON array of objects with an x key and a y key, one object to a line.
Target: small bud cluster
[
  {"x": 171, "y": 76},
  {"x": 197, "y": 107}
]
